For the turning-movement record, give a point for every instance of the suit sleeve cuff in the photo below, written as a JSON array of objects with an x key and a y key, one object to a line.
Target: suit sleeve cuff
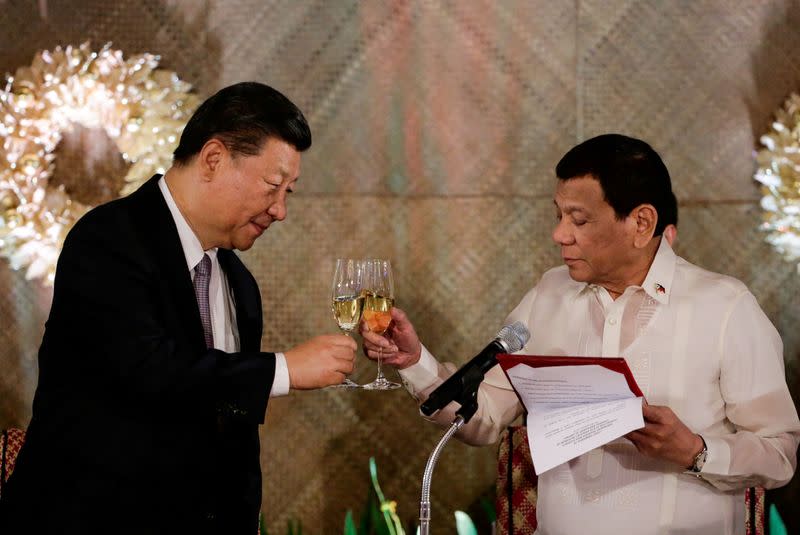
[{"x": 280, "y": 384}]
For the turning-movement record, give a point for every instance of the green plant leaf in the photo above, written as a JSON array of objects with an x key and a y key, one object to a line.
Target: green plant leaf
[
  {"x": 387, "y": 508},
  {"x": 378, "y": 525},
  {"x": 365, "y": 526},
  {"x": 373, "y": 472},
  {"x": 776, "y": 525},
  {"x": 349, "y": 525},
  {"x": 293, "y": 527},
  {"x": 488, "y": 508},
  {"x": 261, "y": 525},
  {"x": 464, "y": 525}
]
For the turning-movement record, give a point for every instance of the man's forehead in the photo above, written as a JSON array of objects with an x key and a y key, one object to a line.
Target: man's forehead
[
  {"x": 578, "y": 192},
  {"x": 289, "y": 173},
  {"x": 569, "y": 208}
]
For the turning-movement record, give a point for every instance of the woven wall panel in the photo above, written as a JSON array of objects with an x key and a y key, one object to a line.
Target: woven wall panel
[
  {"x": 23, "y": 310},
  {"x": 437, "y": 125},
  {"x": 698, "y": 79},
  {"x": 175, "y": 30},
  {"x": 429, "y": 98}
]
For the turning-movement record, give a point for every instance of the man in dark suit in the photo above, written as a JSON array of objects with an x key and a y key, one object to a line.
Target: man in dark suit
[{"x": 152, "y": 383}]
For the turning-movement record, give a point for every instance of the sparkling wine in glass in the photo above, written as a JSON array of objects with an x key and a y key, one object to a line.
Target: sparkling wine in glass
[
  {"x": 348, "y": 299},
  {"x": 377, "y": 314}
]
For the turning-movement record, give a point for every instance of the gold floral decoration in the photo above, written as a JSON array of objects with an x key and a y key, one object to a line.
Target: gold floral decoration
[
  {"x": 141, "y": 108},
  {"x": 779, "y": 173}
]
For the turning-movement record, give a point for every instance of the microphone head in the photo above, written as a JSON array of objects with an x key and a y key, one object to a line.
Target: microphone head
[{"x": 514, "y": 337}]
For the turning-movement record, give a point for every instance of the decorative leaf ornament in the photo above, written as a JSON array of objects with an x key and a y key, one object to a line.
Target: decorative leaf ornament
[
  {"x": 141, "y": 108},
  {"x": 779, "y": 173}
]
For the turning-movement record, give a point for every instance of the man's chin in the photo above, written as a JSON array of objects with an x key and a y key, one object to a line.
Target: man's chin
[
  {"x": 244, "y": 245},
  {"x": 577, "y": 274}
]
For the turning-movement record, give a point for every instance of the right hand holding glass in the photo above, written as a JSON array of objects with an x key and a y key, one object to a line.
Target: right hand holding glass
[
  {"x": 321, "y": 361},
  {"x": 399, "y": 347}
]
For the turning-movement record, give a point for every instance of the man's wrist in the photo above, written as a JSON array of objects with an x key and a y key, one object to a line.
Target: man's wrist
[
  {"x": 699, "y": 458},
  {"x": 414, "y": 359}
]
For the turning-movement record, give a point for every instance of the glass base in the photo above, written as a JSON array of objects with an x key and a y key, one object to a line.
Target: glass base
[
  {"x": 347, "y": 384},
  {"x": 381, "y": 384}
]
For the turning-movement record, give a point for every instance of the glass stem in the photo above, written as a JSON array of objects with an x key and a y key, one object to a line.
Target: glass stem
[{"x": 380, "y": 371}]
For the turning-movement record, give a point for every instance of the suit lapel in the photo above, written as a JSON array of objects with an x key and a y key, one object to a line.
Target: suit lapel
[
  {"x": 158, "y": 230},
  {"x": 247, "y": 299}
]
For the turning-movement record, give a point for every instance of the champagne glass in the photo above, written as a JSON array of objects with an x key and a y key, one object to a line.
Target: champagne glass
[
  {"x": 377, "y": 314},
  {"x": 348, "y": 300}
]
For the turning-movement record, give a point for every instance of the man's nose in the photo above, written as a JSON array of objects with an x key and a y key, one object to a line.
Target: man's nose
[
  {"x": 277, "y": 210},
  {"x": 561, "y": 234}
]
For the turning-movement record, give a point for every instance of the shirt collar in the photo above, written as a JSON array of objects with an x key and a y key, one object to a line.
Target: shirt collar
[
  {"x": 658, "y": 282},
  {"x": 192, "y": 248}
]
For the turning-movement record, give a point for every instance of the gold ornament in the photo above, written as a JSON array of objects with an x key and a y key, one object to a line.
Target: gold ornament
[
  {"x": 779, "y": 173},
  {"x": 141, "y": 108}
]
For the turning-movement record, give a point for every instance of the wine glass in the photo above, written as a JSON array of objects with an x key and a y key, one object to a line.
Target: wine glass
[
  {"x": 378, "y": 301},
  {"x": 348, "y": 300}
]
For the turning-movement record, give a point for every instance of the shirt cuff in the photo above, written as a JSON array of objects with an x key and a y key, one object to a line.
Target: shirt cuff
[
  {"x": 718, "y": 459},
  {"x": 280, "y": 383},
  {"x": 422, "y": 374}
]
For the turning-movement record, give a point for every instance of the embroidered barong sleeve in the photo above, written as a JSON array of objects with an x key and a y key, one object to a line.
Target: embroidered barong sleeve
[
  {"x": 498, "y": 404},
  {"x": 756, "y": 444}
]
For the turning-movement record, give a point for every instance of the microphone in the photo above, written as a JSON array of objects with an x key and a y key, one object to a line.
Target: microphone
[{"x": 462, "y": 386}]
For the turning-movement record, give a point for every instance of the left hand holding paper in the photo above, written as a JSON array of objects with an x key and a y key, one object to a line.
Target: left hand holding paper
[{"x": 665, "y": 436}]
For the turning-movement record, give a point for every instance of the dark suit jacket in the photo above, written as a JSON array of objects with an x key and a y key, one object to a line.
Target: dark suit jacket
[{"x": 137, "y": 427}]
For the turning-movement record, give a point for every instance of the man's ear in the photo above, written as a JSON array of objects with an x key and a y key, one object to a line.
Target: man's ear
[
  {"x": 645, "y": 219},
  {"x": 211, "y": 157}
]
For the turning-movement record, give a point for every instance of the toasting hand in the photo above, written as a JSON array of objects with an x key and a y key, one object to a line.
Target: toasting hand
[
  {"x": 399, "y": 347},
  {"x": 321, "y": 361}
]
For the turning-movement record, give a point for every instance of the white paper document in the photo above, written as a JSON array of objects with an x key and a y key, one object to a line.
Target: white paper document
[{"x": 573, "y": 409}]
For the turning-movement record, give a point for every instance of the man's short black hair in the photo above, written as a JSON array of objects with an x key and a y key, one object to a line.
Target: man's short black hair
[
  {"x": 630, "y": 173},
  {"x": 243, "y": 116}
]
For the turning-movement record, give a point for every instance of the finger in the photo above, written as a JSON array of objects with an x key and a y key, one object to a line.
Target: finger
[
  {"x": 373, "y": 354},
  {"x": 655, "y": 413},
  {"x": 371, "y": 347},
  {"x": 399, "y": 316},
  {"x": 635, "y": 436},
  {"x": 343, "y": 353},
  {"x": 387, "y": 349},
  {"x": 348, "y": 367},
  {"x": 637, "y": 440},
  {"x": 337, "y": 378},
  {"x": 363, "y": 328},
  {"x": 376, "y": 339},
  {"x": 643, "y": 442},
  {"x": 341, "y": 364},
  {"x": 650, "y": 431},
  {"x": 342, "y": 340}
]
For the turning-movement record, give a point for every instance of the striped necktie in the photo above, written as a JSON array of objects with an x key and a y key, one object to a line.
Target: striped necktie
[{"x": 202, "y": 277}]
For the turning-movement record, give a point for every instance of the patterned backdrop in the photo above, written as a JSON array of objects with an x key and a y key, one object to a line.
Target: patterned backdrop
[{"x": 437, "y": 125}]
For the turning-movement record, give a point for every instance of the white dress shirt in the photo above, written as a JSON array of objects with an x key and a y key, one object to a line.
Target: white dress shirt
[
  {"x": 221, "y": 303},
  {"x": 696, "y": 342}
]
